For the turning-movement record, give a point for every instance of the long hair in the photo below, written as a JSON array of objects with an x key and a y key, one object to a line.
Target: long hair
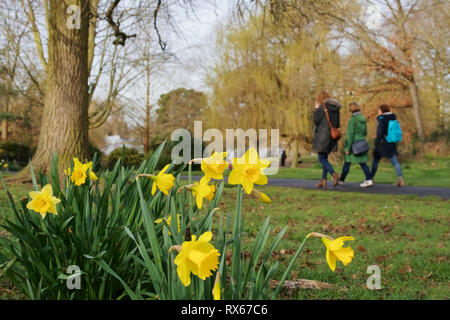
[{"x": 322, "y": 97}]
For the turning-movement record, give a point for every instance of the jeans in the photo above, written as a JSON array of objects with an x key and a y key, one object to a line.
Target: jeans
[
  {"x": 394, "y": 161},
  {"x": 323, "y": 159},
  {"x": 346, "y": 170}
]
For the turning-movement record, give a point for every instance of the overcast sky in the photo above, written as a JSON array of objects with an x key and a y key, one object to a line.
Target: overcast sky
[{"x": 194, "y": 46}]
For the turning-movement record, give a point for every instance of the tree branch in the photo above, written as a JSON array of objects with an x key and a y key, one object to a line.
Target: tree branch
[{"x": 121, "y": 36}]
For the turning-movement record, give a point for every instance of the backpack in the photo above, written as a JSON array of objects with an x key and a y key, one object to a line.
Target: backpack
[{"x": 394, "y": 133}]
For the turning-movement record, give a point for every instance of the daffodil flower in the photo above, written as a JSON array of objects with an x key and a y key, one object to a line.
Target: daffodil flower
[
  {"x": 214, "y": 166},
  {"x": 336, "y": 251},
  {"x": 202, "y": 190},
  {"x": 43, "y": 201},
  {"x": 168, "y": 220},
  {"x": 248, "y": 170},
  {"x": 198, "y": 257},
  {"x": 79, "y": 173},
  {"x": 261, "y": 196},
  {"x": 163, "y": 181}
]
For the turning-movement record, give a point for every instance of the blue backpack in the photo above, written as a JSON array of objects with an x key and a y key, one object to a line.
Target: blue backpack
[{"x": 394, "y": 133}]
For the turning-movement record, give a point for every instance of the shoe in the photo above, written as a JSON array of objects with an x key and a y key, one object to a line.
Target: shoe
[
  {"x": 400, "y": 182},
  {"x": 322, "y": 184},
  {"x": 367, "y": 183},
  {"x": 335, "y": 179},
  {"x": 341, "y": 183}
]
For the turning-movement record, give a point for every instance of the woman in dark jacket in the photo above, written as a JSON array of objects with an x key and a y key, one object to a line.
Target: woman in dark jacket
[
  {"x": 384, "y": 149},
  {"x": 323, "y": 143}
]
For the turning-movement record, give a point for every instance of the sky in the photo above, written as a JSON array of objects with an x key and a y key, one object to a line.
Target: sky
[{"x": 194, "y": 46}]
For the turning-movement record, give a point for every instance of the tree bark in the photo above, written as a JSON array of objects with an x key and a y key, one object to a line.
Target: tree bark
[
  {"x": 64, "y": 128},
  {"x": 294, "y": 153},
  {"x": 417, "y": 108},
  {"x": 4, "y": 130}
]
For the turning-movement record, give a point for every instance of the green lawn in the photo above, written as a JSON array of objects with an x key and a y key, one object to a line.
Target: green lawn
[
  {"x": 430, "y": 172},
  {"x": 406, "y": 236}
]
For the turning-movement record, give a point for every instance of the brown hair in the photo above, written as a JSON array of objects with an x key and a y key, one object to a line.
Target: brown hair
[
  {"x": 322, "y": 97},
  {"x": 384, "y": 108},
  {"x": 354, "y": 107}
]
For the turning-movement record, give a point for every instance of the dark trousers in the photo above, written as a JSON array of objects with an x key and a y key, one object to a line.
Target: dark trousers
[
  {"x": 326, "y": 165},
  {"x": 346, "y": 170}
]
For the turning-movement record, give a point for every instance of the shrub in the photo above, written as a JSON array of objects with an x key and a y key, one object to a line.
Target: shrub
[
  {"x": 11, "y": 151},
  {"x": 93, "y": 150},
  {"x": 131, "y": 158}
]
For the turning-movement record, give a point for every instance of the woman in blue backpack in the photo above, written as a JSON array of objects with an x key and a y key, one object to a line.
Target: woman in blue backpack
[{"x": 383, "y": 148}]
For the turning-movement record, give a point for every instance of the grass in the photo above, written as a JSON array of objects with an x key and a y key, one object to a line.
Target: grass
[
  {"x": 432, "y": 172},
  {"x": 406, "y": 236}
]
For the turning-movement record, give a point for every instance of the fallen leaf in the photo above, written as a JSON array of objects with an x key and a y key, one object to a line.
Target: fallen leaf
[{"x": 361, "y": 248}]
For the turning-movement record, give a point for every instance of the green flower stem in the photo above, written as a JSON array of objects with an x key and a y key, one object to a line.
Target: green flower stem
[
  {"x": 236, "y": 256},
  {"x": 190, "y": 173},
  {"x": 286, "y": 273}
]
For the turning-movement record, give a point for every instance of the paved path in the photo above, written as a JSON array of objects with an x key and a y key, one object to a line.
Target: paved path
[{"x": 354, "y": 187}]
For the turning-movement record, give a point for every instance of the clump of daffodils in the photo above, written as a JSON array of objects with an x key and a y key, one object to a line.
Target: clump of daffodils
[
  {"x": 81, "y": 171},
  {"x": 196, "y": 256}
]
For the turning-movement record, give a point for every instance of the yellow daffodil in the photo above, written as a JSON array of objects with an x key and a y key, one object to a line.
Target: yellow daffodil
[
  {"x": 214, "y": 166},
  {"x": 5, "y": 165},
  {"x": 261, "y": 196},
  {"x": 198, "y": 257},
  {"x": 43, "y": 201},
  {"x": 80, "y": 171},
  {"x": 168, "y": 220},
  {"x": 335, "y": 251},
  {"x": 216, "y": 289},
  {"x": 248, "y": 170},
  {"x": 163, "y": 181},
  {"x": 202, "y": 190}
]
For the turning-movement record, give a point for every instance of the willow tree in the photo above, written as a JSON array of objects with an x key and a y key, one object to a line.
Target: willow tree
[{"x": 268, "y": 78}]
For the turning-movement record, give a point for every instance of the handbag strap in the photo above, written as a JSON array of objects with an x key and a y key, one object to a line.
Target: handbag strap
[{"x": 328, "y": 117}]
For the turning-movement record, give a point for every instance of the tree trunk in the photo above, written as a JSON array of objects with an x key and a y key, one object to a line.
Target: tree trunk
[
  {"x": 294, "y": 153},
  {"x": 417, "y": 108},
  {"x": 64, "y": 127},
  {"x": 4, "y": 130}
]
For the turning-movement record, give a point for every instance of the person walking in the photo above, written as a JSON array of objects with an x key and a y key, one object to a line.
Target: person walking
[
  {"x": 325, "y": 115},
  {"x": 356, "y": 147},
  {"x": 383, "y": 148},
  {"x": 283, "y": 158}
]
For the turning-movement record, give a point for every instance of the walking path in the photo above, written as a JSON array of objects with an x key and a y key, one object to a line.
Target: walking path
[{"x": 354, "y": 187}]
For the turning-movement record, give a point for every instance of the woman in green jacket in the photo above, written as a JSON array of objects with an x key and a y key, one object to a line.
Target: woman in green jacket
[{"x": 356, "y": 131}]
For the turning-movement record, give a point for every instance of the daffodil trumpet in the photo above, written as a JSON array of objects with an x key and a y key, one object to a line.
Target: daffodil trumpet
[
  {"x": 261, "y": 196},
  {"x": 163, "y": 181},
  {"x": 196, "y": 256}
]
